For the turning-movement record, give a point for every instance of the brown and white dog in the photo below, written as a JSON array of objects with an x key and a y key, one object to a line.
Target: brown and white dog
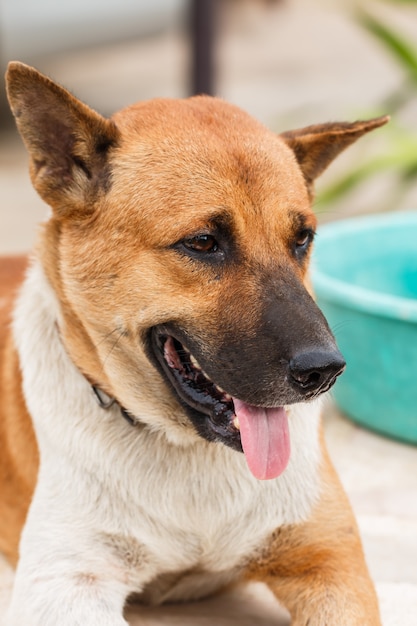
[{"x": 164, "y": 325}]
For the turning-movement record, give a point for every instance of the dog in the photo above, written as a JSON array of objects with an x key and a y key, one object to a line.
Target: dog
[{"x": 162, "y": 372}]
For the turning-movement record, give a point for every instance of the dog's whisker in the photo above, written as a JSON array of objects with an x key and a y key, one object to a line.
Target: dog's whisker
[
  {"x": 113, "y": 346},
  {"x": 93, "y": 349}
]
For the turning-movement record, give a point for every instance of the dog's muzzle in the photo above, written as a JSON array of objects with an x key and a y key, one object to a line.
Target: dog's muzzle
[{"x": 234, "y": 416}]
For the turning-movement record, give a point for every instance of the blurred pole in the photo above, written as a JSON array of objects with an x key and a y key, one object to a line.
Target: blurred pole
[{"x": 203, "y": 30}]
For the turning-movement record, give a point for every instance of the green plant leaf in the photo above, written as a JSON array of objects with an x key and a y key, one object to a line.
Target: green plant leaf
[{"x": 397, "y": 45}]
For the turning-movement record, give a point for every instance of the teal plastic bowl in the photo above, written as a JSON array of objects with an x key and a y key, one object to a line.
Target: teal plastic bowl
[{"x": 365, "y": 279}]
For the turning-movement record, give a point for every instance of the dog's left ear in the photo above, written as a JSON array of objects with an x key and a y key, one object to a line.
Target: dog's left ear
[
  {"x": 68, "y": 142},
  {"x": 315, "y": 147}
]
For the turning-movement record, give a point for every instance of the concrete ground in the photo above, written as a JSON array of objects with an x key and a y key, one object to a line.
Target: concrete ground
[{"x": 302, "y": 63}]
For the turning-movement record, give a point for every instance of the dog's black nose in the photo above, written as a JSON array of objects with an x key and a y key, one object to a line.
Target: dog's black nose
[{"x": 316, "y": 370}]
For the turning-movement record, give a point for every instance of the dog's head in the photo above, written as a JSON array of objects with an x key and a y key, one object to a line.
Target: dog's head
[{"x": 178, "y": 246}]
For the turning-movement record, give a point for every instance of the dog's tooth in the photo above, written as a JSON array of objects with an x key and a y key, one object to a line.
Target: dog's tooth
[
  {"x": 227, "y": 396},
  {"x": 194, "y": 362},
  {"x": 204, "y": 374},
  {"x": 236, "y": 423},
  {"x": 220, "y": 390}
]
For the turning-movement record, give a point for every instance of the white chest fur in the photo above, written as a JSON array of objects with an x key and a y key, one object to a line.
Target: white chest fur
[{"x": 154, "y": 507}]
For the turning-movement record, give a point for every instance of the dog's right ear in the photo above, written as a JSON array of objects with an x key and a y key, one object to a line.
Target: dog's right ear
[{"x": 68, "y": 142}]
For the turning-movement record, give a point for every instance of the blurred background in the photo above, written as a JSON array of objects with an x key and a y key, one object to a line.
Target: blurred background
[{"x": 289, "y": 63}]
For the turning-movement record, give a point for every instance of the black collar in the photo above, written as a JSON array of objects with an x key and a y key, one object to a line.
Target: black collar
[{"x": 106, "y": 401}]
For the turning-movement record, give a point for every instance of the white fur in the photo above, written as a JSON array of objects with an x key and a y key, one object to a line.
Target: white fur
[{"x": 119, "y": 507}]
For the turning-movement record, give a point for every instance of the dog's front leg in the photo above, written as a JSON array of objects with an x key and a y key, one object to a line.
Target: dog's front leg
[
  {"x": 54, "y": 589},
  {"x": 69, "y": 577},
  {"x": 317, "y": 569},
  {"x": 46, "y": 599}
]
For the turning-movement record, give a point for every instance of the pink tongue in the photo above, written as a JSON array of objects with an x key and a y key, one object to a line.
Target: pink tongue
[{"x": 265, "y": 439}]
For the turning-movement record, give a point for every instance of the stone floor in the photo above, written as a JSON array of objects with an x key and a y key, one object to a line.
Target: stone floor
[{"x": 292, "y": 66}]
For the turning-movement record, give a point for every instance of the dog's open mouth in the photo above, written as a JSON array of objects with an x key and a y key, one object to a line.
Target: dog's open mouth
[{"x": 262, "y": 433}]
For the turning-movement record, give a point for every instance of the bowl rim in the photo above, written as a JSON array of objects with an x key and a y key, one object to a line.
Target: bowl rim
[{"x": 353, "y": 296}]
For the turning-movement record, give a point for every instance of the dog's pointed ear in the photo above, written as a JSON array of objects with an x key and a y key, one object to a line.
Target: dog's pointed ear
[
  {"x": 315, "y": 147},
  {"x": 68, "y": 142}
]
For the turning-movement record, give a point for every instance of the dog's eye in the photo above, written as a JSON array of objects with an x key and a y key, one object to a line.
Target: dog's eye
[
  {"x": 303, "y": 240},
  {"x": 201, "y": 243}
]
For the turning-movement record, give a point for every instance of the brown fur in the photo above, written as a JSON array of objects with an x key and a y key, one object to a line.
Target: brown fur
[
  {"x": 105, "y": 179},
  {"x": 19, "y": 456}
]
